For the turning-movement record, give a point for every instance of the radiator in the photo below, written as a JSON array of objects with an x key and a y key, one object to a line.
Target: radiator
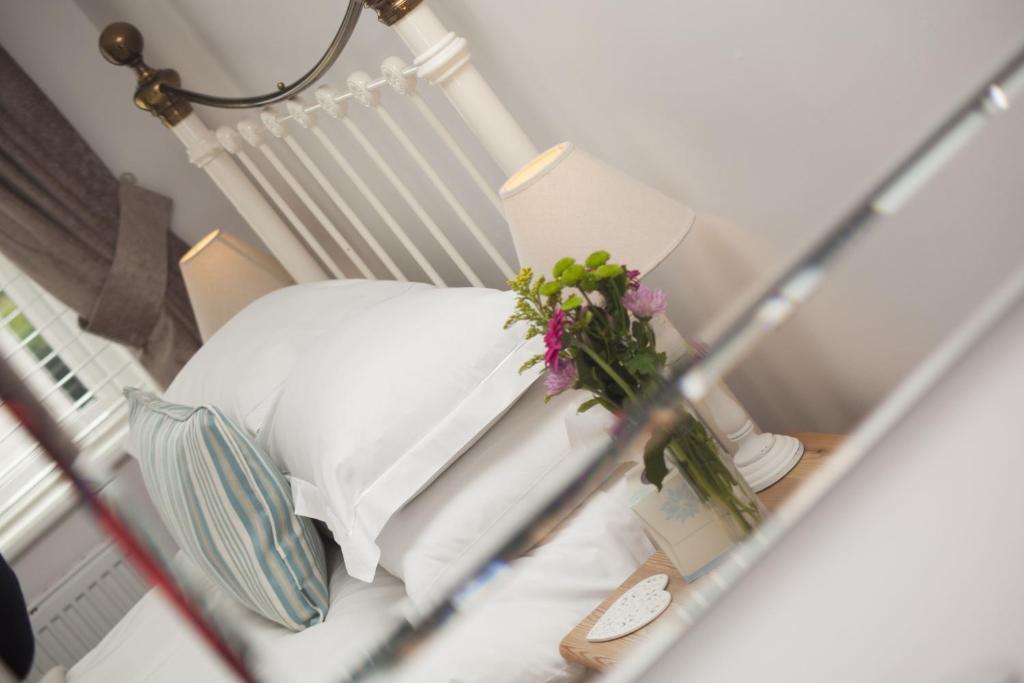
[{"x": 73, "y": 616}]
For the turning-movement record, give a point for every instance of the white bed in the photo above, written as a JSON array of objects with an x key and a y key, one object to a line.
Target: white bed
[{"x": 511, "y": 632}]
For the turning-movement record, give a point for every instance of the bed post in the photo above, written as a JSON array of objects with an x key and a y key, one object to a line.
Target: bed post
[
  {"x": 443, "y": 59},
  {"x": 121, "y": 44}
]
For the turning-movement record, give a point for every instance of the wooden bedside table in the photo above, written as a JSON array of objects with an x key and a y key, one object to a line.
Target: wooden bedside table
[{"x": 600, "y": 656}]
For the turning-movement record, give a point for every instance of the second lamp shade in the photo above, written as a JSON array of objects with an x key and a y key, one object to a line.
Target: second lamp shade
[
  {"x": 568, "y": 203},
  {"x": 223, "y": 275}
]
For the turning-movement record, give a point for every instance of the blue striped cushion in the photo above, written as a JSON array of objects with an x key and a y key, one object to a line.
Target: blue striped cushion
[{"x": 229, "y": 509}]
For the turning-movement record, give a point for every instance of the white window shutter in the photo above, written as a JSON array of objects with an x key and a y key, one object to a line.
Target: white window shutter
[{"x": 79, "y": 378}]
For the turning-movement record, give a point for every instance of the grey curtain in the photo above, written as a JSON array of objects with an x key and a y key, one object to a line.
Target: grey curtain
[{"x": 100, "y": 245}]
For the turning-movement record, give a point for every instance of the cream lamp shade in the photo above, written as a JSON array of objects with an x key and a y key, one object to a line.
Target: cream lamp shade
[
  {"x": 567, "y": 203},
  {"x": 223, "y": 275}
]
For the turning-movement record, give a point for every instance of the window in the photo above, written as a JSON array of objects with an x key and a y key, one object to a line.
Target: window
[
  {"x": 34, "y": 341},
  {"x": 79, "y": 378}
]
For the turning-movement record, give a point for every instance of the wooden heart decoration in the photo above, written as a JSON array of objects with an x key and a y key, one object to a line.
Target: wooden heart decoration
[{"x": 637, "y": 607}]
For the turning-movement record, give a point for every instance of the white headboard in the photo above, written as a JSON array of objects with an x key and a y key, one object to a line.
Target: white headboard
[{"x": 322, "y": 194}]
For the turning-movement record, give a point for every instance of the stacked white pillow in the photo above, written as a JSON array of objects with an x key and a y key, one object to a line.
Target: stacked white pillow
[
  {"x": 475, "y": 499},
  {"x": 242, "y": 369},
  {"x": 382, "y": 404},
  {"x": 365, "y": 392}
]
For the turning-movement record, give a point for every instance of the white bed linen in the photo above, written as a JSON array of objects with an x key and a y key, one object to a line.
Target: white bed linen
[
  {"x": 501, "y": 475},
  {"x": 152, "y": 643},
  {"x": 382, "y": 404},
  {"x": 508, "y": 634},
  {"x": 511, "y": 631}
]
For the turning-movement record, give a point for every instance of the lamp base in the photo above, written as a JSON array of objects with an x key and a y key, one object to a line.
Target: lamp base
[{"x": 764, "y": 459}]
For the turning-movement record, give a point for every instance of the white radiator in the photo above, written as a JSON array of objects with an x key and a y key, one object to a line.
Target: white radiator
[{"x": 73, "y": 616}]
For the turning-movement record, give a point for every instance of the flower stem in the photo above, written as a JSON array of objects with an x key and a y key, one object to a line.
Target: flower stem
[
  {"x": 701, "y": 462},
  {"x": 610, "y": 371}
]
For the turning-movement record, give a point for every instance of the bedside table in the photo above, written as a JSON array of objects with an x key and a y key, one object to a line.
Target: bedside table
[{"x": 600, "y": 656}]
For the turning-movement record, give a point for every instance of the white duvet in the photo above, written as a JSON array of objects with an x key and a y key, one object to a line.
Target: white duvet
[{"x": 509, "y": 635}]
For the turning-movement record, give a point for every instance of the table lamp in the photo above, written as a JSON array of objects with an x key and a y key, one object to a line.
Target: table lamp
[
  {"x": 223, "y": 275},
  {"x": 567, "y": 203}
]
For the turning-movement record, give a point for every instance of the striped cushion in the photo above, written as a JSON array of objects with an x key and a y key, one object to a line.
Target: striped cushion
[{"x": 229, "y": 509}]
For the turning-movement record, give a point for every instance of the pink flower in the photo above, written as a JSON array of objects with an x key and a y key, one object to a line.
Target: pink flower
[
  {"x": 561, "y": 378},
  {"x": 644, "y": 302},
  {"x": 634, "y": 278},
  {"x": 553, "y": 339}
]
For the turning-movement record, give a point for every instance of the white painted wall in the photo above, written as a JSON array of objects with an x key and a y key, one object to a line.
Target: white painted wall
[{"x": 772, "y": 118}]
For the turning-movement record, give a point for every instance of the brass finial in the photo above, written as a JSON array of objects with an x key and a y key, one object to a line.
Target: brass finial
[
  {"x": 121, "y": 44},
  {"x": 390, "y": 11}
]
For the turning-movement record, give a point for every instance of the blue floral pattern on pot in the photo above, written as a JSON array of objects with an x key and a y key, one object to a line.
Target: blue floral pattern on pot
[{"x": 679, "y": 502}]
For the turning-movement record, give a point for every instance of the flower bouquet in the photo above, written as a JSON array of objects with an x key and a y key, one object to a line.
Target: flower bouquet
[{"x": 595, "y": 317}]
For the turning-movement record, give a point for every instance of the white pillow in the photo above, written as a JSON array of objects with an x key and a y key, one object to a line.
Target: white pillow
[
  {"x": 381, "y": 405},
  {"x": 242, "y": 368},
  {"x": 494, "y": 480}
]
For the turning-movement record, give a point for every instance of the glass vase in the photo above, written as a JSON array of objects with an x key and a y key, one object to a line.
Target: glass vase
[
  {"x": 709, "y": 470},
  {"x": 704, "y": 506}
]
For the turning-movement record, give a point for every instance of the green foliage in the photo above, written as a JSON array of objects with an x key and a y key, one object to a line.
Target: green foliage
[
  {"x": 531, "y": 362},
  {"x": 571, "y": 275},
  {"x": 562, "y": 265},
  {"x": 593, "y": 403},
  {"x": 645, "y": 362},
  {"x": 598, "y": 258},
  {"x": 550, "y": 288},
  {"x": 608, "y": 270},
  {"x": 655, "y": 467},
  {"x": 521, "y": 280},
  {"x": 572, "y": 303},
  {"x": 614, "y": 352},
  {"x": 617, "y": 361}
]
